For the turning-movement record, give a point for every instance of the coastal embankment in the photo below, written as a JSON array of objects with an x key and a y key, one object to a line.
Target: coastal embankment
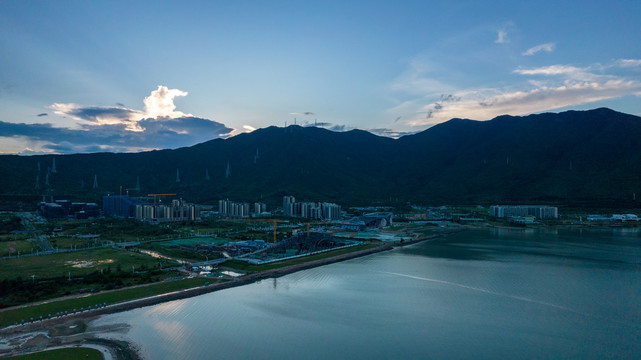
[
  {"x": 240, "y": 281},
  {"x": 42, "y": 335}
]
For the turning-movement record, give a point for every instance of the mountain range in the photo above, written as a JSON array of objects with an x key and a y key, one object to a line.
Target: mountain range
[{"x": 574, "y": 157}]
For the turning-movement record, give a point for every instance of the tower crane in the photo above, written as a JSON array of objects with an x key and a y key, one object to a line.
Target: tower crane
[{"x": 157, "y": 195}]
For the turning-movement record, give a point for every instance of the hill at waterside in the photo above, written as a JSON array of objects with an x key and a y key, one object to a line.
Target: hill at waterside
[{"x": 573, "y": 157}]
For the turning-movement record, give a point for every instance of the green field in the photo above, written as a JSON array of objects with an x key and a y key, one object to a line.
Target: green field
[
  {"x": 72, "y": 353},
  {"x": 68, "y": 242},
  {"x": 11, "y": 247},
  {"x": 110, "y": 229},
  {"x": 195, "y": 240},
  {"x": 78, "y": 263},
  {"x": 9, "y": 317}
]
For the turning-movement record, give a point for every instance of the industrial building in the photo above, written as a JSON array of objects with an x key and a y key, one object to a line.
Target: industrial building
[
  {"x": 61, "y": 209},
  {"x": 538, "y": 211}
]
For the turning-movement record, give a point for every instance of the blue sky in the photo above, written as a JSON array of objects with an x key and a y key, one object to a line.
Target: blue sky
[{"x": 84, "y": 76}]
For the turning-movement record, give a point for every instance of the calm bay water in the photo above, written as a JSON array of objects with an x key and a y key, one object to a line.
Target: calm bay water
[{"x": 476, "y": 294}]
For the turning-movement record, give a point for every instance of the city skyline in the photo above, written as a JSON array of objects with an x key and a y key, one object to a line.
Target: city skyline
[{"x": 114, "y": 76}]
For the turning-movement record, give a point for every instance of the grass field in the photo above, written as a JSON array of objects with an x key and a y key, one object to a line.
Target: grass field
[
  {"x": 77, "y": 263},
  {"x": 67, "y": 242},
  {"x": 11, "y": 247},
  {"x": 191, "y": 241},
  {"x": 9, "y": 317},
  {"x": 63, "y": 354},
  {"x": 110, "y": 229}
]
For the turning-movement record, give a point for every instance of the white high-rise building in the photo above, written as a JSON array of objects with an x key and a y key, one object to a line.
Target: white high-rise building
[{"x": 288, "y": 205}]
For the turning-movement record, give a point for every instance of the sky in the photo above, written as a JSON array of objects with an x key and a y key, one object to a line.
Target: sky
[{"x": 125, "y": 76}]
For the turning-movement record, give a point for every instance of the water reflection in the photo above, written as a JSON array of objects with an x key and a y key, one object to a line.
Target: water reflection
[{"x": 476, "y": 294}]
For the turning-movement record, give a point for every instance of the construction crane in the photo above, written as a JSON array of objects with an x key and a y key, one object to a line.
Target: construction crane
[
  {"x": 156, "y": 195},
  {"x": 274, "y": 221},
  {"x": 127, "y": 190}
]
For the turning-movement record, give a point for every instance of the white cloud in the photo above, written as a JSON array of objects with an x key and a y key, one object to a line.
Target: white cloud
[
  {"x": 249, "y": 128},
  {"x": 501, "y": 37},
  {"x": 101, "y": 115},
  {"x": 117, "y": 128},
  {"x": 629, "y": 62},
  {"x": 556, "y": 86},
  {"x": 486, "y": 104},
  {"x": 551, "y": 70},
  {"x": 547, "y": 47},
  {"x": 160, "y": 103}
]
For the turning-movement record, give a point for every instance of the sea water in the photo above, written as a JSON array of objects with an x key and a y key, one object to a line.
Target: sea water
[{"x": 482, "y": 294}]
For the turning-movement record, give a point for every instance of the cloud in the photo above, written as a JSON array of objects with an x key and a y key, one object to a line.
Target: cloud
[
  {"x": 160, "y": 133},
  {"x": 339, "y": 128},
  {"x": 552, "y": 70},
  {"x": 249, "y": 128},
  {"x": 320, "y": 124},
  {"x": 120, "y": 129},
  {"x": 42, "y": 114},
  {"x": 547, "y": 47},
  {"x": 629, "y": 63},
  {"x": 544, "y": 88},
  {"x": 487, "y": 104},
  {"x": 160, "y": 103},
  {"x": 441, "y": 103},
  {"x": 501, "y": 37},
  {"x": 101, "y": 115},
  {"x": 390, "y": 132},
  {"x": 302, "y": 114}
]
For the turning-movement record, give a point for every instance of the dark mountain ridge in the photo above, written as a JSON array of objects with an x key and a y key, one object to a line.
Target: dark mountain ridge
[{"x": 571, "y": 157}]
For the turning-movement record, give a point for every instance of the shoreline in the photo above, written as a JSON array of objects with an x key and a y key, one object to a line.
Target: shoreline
[
  {"x": 51, "y": 341},
  {"x": 240, "y": 281}
]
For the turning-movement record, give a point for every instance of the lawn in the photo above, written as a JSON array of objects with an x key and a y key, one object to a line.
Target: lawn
[
  {"x": 110, "y": 229},
  {"x": 78, "y": 263},
  {"x": 12, "y": 247},
  {"x": 8, "y": 317},
  {"x": 68, "y": 242}
]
